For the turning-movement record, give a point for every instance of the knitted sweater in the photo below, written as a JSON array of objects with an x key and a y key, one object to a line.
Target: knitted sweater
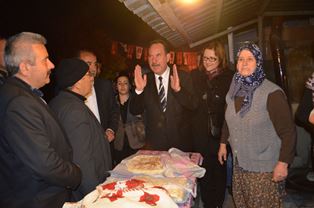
[{"x": 254, "y": 141}]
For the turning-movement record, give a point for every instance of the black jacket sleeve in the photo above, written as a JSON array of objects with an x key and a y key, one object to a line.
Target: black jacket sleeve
[{"x": 305, "y": 107}]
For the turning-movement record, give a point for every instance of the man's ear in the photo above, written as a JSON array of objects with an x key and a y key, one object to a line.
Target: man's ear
[
  {"x": 76, "y": 87},
  {"x": 24, "y": 68},
  {"x": 168, "y": 57}
]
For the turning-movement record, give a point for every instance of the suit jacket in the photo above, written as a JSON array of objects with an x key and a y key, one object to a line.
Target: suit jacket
[
  {"x": 3, "y": 75},
  {"x": 107, "y": 105},
  {"x": 36, "y": 158},
  {"x": 171, "y": 128},
  {"x": 91, "y": 150}
]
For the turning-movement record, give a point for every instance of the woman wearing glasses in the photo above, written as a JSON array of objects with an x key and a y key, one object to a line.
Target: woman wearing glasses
[
  {"x": 261, "y": 132},
  {"x": 211, "y": 83}
]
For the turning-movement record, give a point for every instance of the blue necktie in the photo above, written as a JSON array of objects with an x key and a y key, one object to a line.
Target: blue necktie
[{"x": 162, "y": 95}]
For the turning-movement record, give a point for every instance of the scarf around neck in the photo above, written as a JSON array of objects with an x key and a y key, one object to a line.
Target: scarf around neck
[
  {"x": 213, "y": 73},
  {"x": 245, "y": 86}
]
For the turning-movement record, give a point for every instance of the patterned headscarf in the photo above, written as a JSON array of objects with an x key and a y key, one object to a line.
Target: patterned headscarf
[
  {"x": 310, "y": 85},
  {"x": 245, "y": 86}
]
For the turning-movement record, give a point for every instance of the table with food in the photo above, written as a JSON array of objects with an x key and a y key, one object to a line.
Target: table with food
[{"x": 160, "y": 179}]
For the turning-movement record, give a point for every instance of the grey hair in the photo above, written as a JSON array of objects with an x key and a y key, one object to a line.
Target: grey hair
[{"x": 18, "y": 49}]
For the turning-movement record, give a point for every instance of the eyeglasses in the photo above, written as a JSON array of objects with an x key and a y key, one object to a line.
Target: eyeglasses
[
  {"x": 96, "y": 64},
  {"x": 209, "y": 59}
]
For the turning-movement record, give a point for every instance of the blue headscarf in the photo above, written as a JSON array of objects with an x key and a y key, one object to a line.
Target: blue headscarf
[{"x": 245, "y": 86}]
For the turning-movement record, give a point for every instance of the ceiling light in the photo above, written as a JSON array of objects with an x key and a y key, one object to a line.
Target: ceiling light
[{"x": 188, "y": 1}]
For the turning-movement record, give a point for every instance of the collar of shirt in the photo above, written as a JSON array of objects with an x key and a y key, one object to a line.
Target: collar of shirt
[
  {"x": 37, "y": 92},
  {"x": 165, "y": 80}
]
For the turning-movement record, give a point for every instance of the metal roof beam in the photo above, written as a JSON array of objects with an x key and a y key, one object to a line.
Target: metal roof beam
[
  {"x": 218, "y": 14},
  {"x": 167, "y": 14},
  {"x": 289, "y": 13},
  {"x": 263, "y": 6},
  {"x": 225, "y": 32}
]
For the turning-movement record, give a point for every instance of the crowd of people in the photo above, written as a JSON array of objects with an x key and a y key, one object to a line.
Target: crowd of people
[{"x": 59, "y": 151}]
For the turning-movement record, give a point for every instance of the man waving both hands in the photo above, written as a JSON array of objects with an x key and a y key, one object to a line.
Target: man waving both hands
[{"x": 165, "y": 96}]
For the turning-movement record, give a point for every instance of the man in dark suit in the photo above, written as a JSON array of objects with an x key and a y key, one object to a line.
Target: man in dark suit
[
  {"x": 101, "y": 100},
  {"x": 35, "y": 155},
  {"x": 165, "y": 96},
  {"x": 91, "y": 151}
]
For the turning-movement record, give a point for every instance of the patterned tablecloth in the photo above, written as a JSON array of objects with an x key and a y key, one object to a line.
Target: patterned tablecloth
[
  {"x": 123, "y": 188},
  {"x": 195, "y": 157}
]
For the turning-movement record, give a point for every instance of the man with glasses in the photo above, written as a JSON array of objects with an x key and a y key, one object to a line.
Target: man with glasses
[
  {"x": 101, "y": 100},
  {"x": 90, "y": 148}
]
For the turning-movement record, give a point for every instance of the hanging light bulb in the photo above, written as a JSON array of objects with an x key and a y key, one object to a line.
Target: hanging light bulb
[{"x": 188, "y": 1}]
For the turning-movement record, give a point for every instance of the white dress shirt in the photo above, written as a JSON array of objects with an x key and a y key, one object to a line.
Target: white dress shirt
[{"x": 91, "y": 102}]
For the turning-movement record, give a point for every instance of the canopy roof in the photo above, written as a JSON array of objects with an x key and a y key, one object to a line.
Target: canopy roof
[{"x": 194, "y": 24}]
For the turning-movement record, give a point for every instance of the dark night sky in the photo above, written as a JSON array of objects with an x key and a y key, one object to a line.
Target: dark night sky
[{"x": 74, "y": 23}]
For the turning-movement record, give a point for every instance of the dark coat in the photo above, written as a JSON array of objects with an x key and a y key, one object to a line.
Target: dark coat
[
  {"x": 171, "y": 128},
  {"x": 207, "y": 122},
  {"x": 211, "y": 105},
  {"x": 107, "y": 105},
  {"x": 91, "y": 149},
  {"x": 36, "y": 158},
  {"x": 3, "y": 75},
  {"x": 133, "y": 129},
  {"x": 304, "y": 109}
]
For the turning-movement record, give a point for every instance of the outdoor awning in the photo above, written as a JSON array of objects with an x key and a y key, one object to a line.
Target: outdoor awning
[{"x": 194, "y": 24}]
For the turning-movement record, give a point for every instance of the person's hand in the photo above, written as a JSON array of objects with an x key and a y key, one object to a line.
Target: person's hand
[
  {"x": 174, "y": 80},
  {"x": 139, "y": 80},
  {"x": 311, "y": 117},
  {"x": 109, "y": 134},
  {"x": 280, "y": 172},
  {"x": 222, "y": 153}
]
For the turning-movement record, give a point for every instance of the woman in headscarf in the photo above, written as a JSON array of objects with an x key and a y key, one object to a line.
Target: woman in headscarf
[
  {"x": 260, "y": 129},
  {"x": 305, "y": 114}
]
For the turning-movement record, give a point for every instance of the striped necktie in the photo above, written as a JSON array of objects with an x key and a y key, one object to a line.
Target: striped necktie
[{"x": 162, "y": 95}]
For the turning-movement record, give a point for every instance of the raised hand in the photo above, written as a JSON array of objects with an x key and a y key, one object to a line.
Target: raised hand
[
  {"x": 311, "y": 117},
  {"x": 174, "y": 80},
  {"x": 139, "y": 80}
]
